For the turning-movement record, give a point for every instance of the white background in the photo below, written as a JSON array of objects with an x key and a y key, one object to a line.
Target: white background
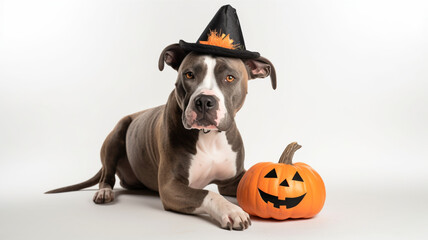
[{"x": 352, "y": 89}]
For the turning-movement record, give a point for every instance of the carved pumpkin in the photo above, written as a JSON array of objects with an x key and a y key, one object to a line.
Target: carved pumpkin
[{"x": 282, "y": 190}]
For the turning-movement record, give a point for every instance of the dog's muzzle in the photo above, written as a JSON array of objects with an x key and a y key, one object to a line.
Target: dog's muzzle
[{"x": 202, "y": 113}]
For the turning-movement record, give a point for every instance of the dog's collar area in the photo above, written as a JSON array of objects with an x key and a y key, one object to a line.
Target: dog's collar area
[{"x": 208, "y": 131}]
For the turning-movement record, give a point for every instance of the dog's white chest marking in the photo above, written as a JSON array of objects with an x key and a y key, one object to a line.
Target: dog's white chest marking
[{"x": 214, "y": 160}]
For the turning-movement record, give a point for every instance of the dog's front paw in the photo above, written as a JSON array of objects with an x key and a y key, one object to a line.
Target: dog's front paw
[
  {"x": 233, "y": 217},
  {"x": 229, "y": 215},
  {"x": 104, "y": 195}
]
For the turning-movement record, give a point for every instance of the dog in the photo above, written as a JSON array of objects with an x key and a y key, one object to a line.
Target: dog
[
  {"x": 191, "y": 141},
  {"x": 179, "y": 148}
]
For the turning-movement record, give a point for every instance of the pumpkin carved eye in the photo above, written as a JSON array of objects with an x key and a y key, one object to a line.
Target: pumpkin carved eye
[
  {"x": 297, "y": 177},
  {"x": 271, "y": 174}
]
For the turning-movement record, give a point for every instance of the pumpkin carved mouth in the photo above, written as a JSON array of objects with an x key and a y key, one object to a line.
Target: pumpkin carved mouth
[{"x": 288, "y": 202}]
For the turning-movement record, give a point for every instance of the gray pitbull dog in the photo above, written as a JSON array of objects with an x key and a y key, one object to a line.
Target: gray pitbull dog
[{"x": 179, "y": 148}]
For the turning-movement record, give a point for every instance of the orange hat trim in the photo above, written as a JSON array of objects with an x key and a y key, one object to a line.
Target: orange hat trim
[{"x": 219, "y": 40}]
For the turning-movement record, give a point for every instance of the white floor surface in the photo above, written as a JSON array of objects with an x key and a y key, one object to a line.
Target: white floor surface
[{"x": 349, "y": 213}]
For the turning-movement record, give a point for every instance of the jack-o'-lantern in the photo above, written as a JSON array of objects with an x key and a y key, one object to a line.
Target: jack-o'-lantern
[{"x": 282, "y": 190}]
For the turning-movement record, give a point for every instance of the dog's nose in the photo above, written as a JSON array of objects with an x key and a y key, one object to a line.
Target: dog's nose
[{"x": 204, "y": 103}]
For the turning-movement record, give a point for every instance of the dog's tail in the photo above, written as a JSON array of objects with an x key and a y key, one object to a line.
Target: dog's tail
[{"x": 88, "y": 183}]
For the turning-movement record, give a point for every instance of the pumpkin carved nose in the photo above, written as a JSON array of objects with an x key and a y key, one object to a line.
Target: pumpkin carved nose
[{"x": 284, "y": 183}]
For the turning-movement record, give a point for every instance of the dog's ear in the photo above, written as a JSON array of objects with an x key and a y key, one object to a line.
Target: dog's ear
[
  {"x": 260, "y": 68},
  {"x": 172, "y": 55}
]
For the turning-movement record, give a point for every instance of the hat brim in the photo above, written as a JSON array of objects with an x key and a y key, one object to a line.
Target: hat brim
[{"x": 218, "y": 51}]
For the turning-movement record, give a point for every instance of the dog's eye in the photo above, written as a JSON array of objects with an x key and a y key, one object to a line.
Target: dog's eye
[
  {"x": 230, "y": 78},
  {"x": 189, "y": 75}
]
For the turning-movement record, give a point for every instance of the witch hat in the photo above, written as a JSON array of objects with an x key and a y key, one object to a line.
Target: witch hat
[{"x": 222, "y": 37}]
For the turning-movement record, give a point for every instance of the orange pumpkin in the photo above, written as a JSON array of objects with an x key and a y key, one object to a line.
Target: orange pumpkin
[{"x": 282, "y": 190}]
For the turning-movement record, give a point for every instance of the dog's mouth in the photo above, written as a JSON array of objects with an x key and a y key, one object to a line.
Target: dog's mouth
[
  {"x": 203, "y": 124},
  {"x": 192, "y": 120},
  {"x": 287, "y": 202}
]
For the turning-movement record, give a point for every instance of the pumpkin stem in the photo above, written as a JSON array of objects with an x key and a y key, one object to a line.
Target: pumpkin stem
[{"x": 287, "y": 155}]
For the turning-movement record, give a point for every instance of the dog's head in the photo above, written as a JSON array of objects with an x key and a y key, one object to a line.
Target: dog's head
[{"x": 210, "y": 90}]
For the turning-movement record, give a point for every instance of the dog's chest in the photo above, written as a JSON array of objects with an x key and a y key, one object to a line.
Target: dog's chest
[{"x": 214, "y": 160}]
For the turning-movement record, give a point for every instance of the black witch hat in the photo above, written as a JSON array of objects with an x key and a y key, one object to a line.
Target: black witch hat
[{"x": 222, "y": 37}]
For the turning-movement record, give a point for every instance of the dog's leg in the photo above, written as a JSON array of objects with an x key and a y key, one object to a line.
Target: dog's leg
[
  {"x": 113, "y": 149},
  {"x": 177, "y": 196},
  {"x": 229, "y": 187}
]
